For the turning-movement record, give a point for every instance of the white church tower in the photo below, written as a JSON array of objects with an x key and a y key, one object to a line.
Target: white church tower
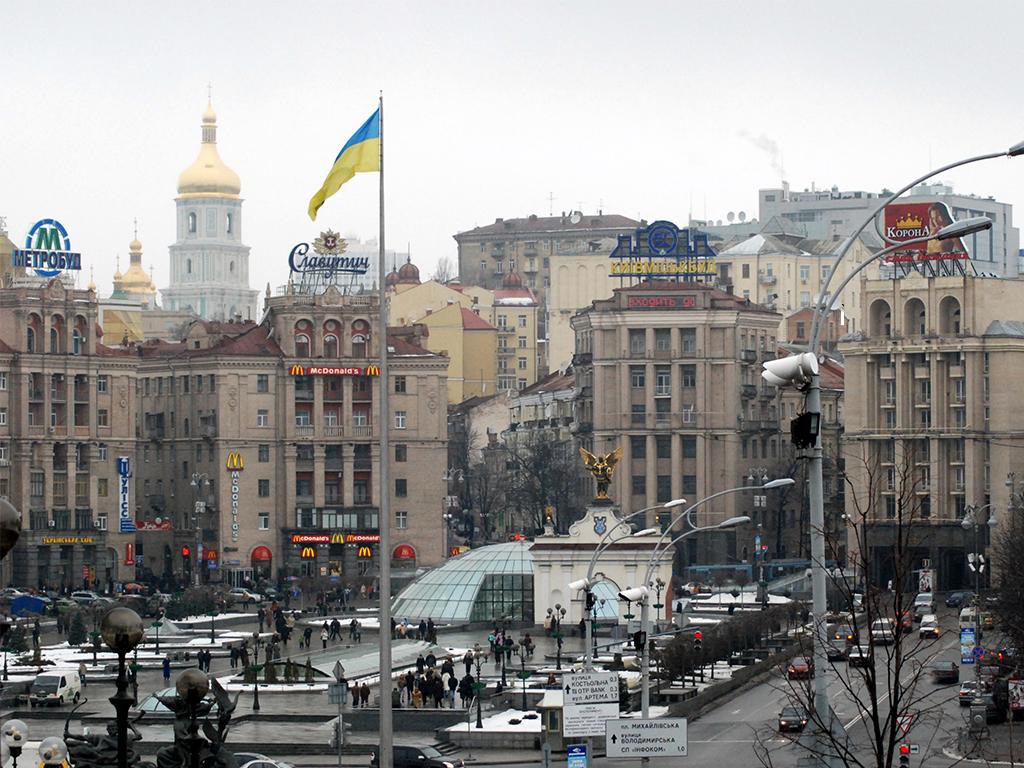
[{"x": 209, "y": 263}]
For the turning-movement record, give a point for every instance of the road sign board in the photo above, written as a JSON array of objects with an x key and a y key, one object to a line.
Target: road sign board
[
  {"x": 661, "y": 737},
  {"x": 336, "y": 693},
  {"x": 978, "y": 652},
  {"x": 576, "y": 755},
  {"x": 591, "y": 688},
  {"x": 587, "y": 719},
  {"x": 915, "y": 749},
  {"x": 905, "y": 722}
]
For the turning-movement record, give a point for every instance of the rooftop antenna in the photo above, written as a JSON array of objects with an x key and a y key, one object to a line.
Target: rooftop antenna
[
  {"x": 551, "y": 203},
  {"x": 135, "y": 224}
]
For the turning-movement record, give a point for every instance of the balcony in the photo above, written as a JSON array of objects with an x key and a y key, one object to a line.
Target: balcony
[
  {"x": 35, "y": 394},
  {"x": 638, "y": 353},
  {"x": 887, "y": 372},
  {"x": 208, "y": 431},
  {"x": 334, "y": 430},
  {"x": 766, "y": 278},
  {"x": 333, "y": 464},
  {"x": 956, "y": 371},
  {"x": 663, "y": 354},
  {"x": 748, "y": 355},
  {"x": 362, "y": 431},
  {"x": 922, "y": 372},
  {"x": 305, "y": 430},
  {"x": 581, "y": 428},
  {"x": 156, "y": 434},
  {"x": 57, "y": 396},
  {"x": 758, "y": 425},
  {"x": 362, "y": 463},
  {"x": 769, "y": 392},
  {"x": 304, "y": 395},
  {"x": 748, "y": 391},
  {"x": 663, "y": 390},
  {"x": 582, "y": 358}
]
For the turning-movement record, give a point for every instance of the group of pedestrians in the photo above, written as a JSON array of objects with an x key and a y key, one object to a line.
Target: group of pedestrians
[
  {"x": 331, "y": 631},
  {"x": 406, "y": 630}
]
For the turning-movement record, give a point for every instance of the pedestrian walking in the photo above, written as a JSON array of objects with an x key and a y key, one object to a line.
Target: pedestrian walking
[
  {"x": 364, "y": 695},
  {"x": 81, "y": 672},
  {"x": 167, "y": 669},
  {"x": 468, "y": 661},
  {"x": 307, "y": 635},
  {"x": 355, "y": 695},
  {"x": 323, "y": 638}
]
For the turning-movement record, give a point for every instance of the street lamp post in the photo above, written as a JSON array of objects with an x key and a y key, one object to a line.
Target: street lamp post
[
  {"x": 813, "y": 407},
  {"x": 199, "y": 479},
  {"x": 478, "y": 686},
  {"x": 339, "y": 675},
  {"x": 642, "y": 595},
  {"x": 521, "y": 651},
  {"x": 255, "y": 666},
  {"x": 122, "y": 631},
  {"x": 971, "y": 521}
]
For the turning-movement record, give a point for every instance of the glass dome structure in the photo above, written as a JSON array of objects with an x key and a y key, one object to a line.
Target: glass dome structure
[{"x": 481, "y": 585}]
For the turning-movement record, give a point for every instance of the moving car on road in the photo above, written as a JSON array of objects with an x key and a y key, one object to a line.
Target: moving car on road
[
  {"x": 945, "y": 672},
  {"x": 883, "y": 631},
  {"x": 55, "y": 687},
  {"x": 956, "y": 599},
  {"x": 860, "y": 656},
  {"x": 411, "y": 757},
  {"x": 929, "y": 627},
  {"x": 968, "y": 690},
  {"x": 242, "y": 596},
  {"x": 924, "y": 604},
  {"x": 792, "y": 719},
  {"x": 800, "y": 668}
]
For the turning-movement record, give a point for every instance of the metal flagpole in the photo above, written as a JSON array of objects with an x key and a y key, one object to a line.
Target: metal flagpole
[{"x": 384, "y": 755}]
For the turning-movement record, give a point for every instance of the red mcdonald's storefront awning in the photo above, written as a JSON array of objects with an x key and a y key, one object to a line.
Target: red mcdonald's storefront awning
[
  {"x": 404, "y": 552},
  {"x": 261, "y": 554}
]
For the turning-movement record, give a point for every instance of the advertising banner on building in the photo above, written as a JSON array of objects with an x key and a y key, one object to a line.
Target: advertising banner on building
[
  {"x": 125, "y": 516},
  {"x": 909, "y": 221}
]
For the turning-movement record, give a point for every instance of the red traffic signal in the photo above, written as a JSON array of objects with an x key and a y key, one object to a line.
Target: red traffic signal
[
  {"x": 698, "y": 635},
  {"x": 185, "y": 551},
  {"x": 904, "y": 749}
]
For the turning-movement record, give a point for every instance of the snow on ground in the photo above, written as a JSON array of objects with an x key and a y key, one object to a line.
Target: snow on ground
[
  {"x": 219, "y": 617},
  {"x": 232, "y": 687},
  {"x": 499, "y": 723}
]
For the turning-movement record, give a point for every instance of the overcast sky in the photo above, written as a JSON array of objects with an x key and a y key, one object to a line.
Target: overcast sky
[{"x": 643, "y": 109}]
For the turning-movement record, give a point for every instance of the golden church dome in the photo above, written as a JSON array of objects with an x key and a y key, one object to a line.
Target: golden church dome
[{"x": 208, "y": 175}]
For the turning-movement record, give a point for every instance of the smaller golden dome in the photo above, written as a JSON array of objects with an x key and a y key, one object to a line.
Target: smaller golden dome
[
  {"x": 135, "y": 246},
  {"x": 209, "y": 116}
]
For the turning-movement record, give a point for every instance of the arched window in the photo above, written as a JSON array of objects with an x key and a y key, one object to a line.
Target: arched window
[
  {"x": 188, "y": 266},
  {"x": 881, "y": 319},
  {"x": 330, "y": 345},
  {"x": 30, "y": 341},
  {"x": 949, "y": 316},
  {"x": 76, "y": 342},
  {"x": 54, "y": 341},
  {"x": 192, "y": 222},
  {"x": 914, "y": 318},
  {"x": 301, "y": 345},
  {"x": 228, "y": 223}
]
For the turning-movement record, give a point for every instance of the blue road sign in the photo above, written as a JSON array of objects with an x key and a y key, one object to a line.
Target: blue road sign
[{"x": 576, "y": 756}]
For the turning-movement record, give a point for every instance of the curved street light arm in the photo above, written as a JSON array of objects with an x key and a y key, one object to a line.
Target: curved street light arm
[
  {"x": 822, "y": 313},
  {"x": 604, "y": 543}
]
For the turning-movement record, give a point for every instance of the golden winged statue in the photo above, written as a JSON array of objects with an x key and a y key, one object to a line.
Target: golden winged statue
[{"x": 602, "y": 468}]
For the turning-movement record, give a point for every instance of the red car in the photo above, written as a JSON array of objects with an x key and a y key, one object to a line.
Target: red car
[
  {"x": 800, "y": 668},
  {"x": 907, "y": 620}
]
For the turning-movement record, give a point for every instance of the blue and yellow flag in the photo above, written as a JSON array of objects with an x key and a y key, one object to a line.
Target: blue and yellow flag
[{"x": 360, "y": 153}]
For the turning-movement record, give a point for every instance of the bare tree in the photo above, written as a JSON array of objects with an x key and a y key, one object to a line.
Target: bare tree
[
  {"x": 444, "y": 271},
  {"x": 546, "y": 473},
  {"x": 885, "y": 502}
]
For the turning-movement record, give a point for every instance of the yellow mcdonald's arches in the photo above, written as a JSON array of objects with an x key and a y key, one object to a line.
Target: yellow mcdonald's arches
[
  {"x": 337, "y": 538},
  {"x": 298, "y": 370},
  {"x": 235, "y": 462},
  {"x": 308, "y": 553},
  {"x": 373, "y": 370},
  {"x": 365, "y": 552}
]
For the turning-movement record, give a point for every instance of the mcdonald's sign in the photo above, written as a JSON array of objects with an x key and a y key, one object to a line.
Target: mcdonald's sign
[
  {"x": 372, "y": 370},
  {"x": 365, "y": 551},
  {"x": 337, "y": 538},
  {"x": 235, "y": 462},
  {"x": 298, "y": 370},
  {"x": 308, "y": 553}
]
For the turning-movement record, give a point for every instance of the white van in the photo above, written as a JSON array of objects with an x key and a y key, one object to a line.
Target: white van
[
  {"x": 883, "y": 631},
  {"x": 56, "y": 686}
]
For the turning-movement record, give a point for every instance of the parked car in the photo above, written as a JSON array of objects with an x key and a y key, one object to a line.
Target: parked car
[
  {"x": 945, "y": 672},
  {"x": 55, "y": 687},
  {"x": 968, "y": 690},
  {"x": 88, "y": 597},
  {"x": 860, "y": 656},
  {"x": 792, "y": 719},
  {"x": 929, "y": 626},
  {"x": 957, "y": 599},
  {"x": 256, "y": 760},
  {"x": 243, "y": 596},
  {"x": 9, "y": 593},
  {"x": 800, "y": 668},
  {"x": 411, "y": 757}
]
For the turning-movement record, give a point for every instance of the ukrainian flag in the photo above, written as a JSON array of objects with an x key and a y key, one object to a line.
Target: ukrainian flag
[{"x": 360, "y": 153}]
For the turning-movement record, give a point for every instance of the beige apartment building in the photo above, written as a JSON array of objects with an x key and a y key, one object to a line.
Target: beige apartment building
[
  {"x": 932, "y": 420},
  {"x": 278, "y": 425},
  {"x": 786, "y": 272},
  {"x": 562, "y": 259},
  {"x": 68, "y": 410},
  {"x": 670, "y": 372}
]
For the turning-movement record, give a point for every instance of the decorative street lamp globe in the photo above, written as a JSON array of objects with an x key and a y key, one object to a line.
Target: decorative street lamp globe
[
  {"x": 121, "y": 629},
  {"x": 10, "y": 527},
  {"x": 192, "y": 685}
]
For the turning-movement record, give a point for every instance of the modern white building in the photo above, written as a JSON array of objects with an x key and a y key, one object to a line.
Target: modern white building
[{"x": 209, "y": 263}]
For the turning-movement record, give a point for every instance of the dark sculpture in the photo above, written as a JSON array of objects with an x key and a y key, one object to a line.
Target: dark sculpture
[
  {"x": 189, "y": 748},
  {"x": 99, "y": 750}
]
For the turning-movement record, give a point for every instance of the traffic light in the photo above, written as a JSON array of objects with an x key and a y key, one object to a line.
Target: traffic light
[
  {"x": 590, "y": 600},
  {"x": 904, "y": 755},
  {"x": 698, "y": 640},
  {"x": 639, "y": 640},
  {"x": 186, "y": 552}
]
